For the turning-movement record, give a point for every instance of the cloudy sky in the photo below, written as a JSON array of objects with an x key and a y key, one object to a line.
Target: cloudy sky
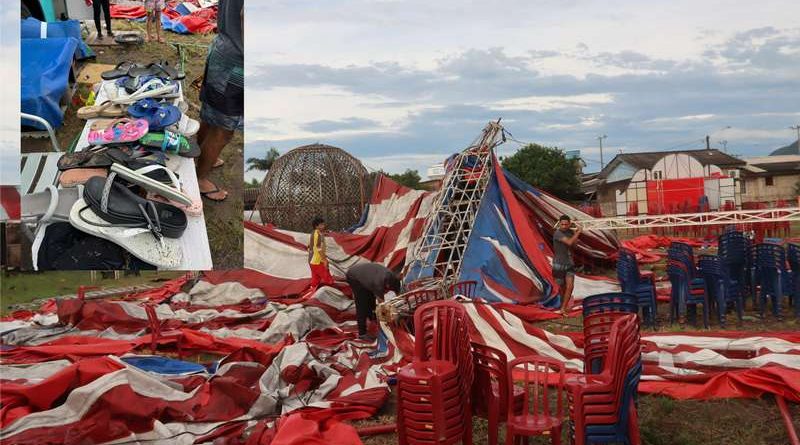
[
  {"x": 401, "y": 84},
  {"x": 9, "y": 95}
]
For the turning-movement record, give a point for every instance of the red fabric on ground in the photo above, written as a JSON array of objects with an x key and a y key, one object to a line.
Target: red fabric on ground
[
  {"x": 19, "y": 400},
  {"x": 127, "y": 12},
  {"x": 313, "y": 429},
  {"x": 747, "y": 383}
]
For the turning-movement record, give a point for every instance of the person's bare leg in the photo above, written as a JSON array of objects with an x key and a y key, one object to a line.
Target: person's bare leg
[
  {"x": 201, "y": 133},
  {"x": 213, "y": 141},
  {"x": 569, "y": 282},
  {"x": 158, "y": 26},
  {"x": 149, "y": 19}
]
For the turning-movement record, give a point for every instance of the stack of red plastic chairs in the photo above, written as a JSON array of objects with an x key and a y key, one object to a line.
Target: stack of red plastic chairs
[
  {"x": 602, "y": 401},
  {"x": 433, "y": 392}
]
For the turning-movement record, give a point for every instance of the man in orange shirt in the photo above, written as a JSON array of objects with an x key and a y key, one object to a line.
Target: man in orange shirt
[{"x": 317, "y": 256}]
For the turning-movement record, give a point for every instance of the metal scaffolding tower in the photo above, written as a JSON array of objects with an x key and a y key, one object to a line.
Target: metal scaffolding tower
[{"x": 448, "y": 227}]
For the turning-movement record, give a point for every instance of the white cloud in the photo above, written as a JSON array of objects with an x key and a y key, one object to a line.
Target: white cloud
[{"x": 545, "y": 103}]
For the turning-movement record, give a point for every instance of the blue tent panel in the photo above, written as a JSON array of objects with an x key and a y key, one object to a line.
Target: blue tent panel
[
  {"x": 164, "y": 365},
  {"x": 45, "y": 77},
  {"x": 31, "y": 28}
]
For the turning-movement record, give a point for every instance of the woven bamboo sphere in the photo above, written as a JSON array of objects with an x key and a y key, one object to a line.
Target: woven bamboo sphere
[{"x": 310, "y": 181}]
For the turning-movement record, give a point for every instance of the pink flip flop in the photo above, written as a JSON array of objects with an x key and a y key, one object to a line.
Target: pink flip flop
[{"x": 119, "y": 131}]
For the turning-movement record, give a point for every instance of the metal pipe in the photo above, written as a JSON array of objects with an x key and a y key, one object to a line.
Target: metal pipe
[{"x": 46, "y": 125}]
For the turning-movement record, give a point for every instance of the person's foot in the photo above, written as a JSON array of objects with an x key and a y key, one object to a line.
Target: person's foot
[
  {"x": 160, "y": 39},
  {"x": 218, "y": 163},
  {"x": 367, "y": 338},
  {"x": 210, "y": 190},
  {"x": 110, "y": 33},
  {"x": 99, "y": 36},
  {"x": 147, "y": 37}
]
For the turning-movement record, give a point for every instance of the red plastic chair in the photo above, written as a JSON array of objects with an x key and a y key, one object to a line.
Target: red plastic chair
[
  {"x": 434, "y": 390},
  {"x": 537, "y": 416},
  {"x": 441, "y": 332},
  {"x": 490, "y": 387},
  {"x": 597, "y": 399},
  {"x": 429, "y": 403},
  {"x": 465, "y": 288}
]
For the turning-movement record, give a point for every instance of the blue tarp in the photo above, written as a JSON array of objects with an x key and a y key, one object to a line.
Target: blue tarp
[
  {"x": 45, "y": 76},
  {"x": 494, "y": 252},
  {"x": 164, "y": 365},
  {"x": 173, "y": 25},
  {"x": 31, "y": 28}
]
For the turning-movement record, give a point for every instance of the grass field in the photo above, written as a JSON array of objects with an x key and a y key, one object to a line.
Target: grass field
[
  {"x": 27, "y": 286},
  {"x": 664, "y": 421}
]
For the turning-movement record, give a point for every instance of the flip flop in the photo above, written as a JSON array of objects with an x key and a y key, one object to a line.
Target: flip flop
[
  {"x": 155, "y": 88},
  {"x": 78, "y": 176},
  {"x": 120, "y": 131},
  {"x": 172, "y": 142},
  {"x": 117, "y": 204},
  {"x": 140, "y": 177},
  {"x": 106, "y": 109},
  {"x": 216, "y": 190},
  {"x": 118, "y": 71},
  {"x": 164, "y": 253},
  {"x": 186, "y": 126},
  {"x": 157, "y": 115},
  {"x": 160, "y": 69},
  {"x": 218, "y": 163},
  {"x": 89, "y": 158},
  {"x": 104, "y": 156},
  {"x": 193, "y": 209}
]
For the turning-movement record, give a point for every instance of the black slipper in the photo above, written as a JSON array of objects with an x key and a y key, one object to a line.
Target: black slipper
[
  {"x": 120, "y": 70},
  {"x": 216, "y": 190}
]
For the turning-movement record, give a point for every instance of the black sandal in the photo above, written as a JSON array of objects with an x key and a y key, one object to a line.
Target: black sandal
[{"x": 216, "y": 190}]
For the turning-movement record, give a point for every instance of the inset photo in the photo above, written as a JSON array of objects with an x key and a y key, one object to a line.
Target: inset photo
[{"x": 132, "y": 120}]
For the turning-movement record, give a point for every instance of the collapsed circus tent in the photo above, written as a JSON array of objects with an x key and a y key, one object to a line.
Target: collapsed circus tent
[{"x": 508, "y": 252}]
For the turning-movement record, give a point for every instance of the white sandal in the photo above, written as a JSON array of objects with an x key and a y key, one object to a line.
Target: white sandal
[
  {"x": 172, "y": 192},
  {"x": 155, "y": 88}
]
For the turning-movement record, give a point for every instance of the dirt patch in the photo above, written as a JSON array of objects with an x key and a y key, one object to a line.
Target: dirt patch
[
  {"x": 223, "y": 220},
  {"x": 662, "y": 421}
]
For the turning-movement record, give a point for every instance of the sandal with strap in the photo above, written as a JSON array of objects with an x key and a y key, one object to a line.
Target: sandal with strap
[
  {"x": 172, "y": 142},
  {"x": 120, "y": 131}
]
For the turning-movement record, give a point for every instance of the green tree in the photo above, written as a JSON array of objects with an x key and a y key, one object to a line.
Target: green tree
[
  {"x": 252, "y": 184},
  {"x": 263, "y": 164},
  {"x": 409, "y": 178},
  {"x": 546, "y": 168}
]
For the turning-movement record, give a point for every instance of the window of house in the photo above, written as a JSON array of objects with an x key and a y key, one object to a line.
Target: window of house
[
  {"x": 769, "y": 180},
  {"x": 743, "y": 185}
]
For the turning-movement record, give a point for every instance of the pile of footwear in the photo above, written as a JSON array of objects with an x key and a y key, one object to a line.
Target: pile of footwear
[{"x": 126, "y": 189}]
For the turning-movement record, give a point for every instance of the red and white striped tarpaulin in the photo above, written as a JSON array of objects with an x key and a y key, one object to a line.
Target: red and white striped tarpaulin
[{"x": 81, "y": 371}]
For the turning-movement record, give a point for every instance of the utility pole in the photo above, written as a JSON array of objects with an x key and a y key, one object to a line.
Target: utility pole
[
  {"x": 796, "y": 128},
  {"x": 708, "y": 142},
  {"x": 724, "y": 145},
  {"x": 600, "y": 139}
]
